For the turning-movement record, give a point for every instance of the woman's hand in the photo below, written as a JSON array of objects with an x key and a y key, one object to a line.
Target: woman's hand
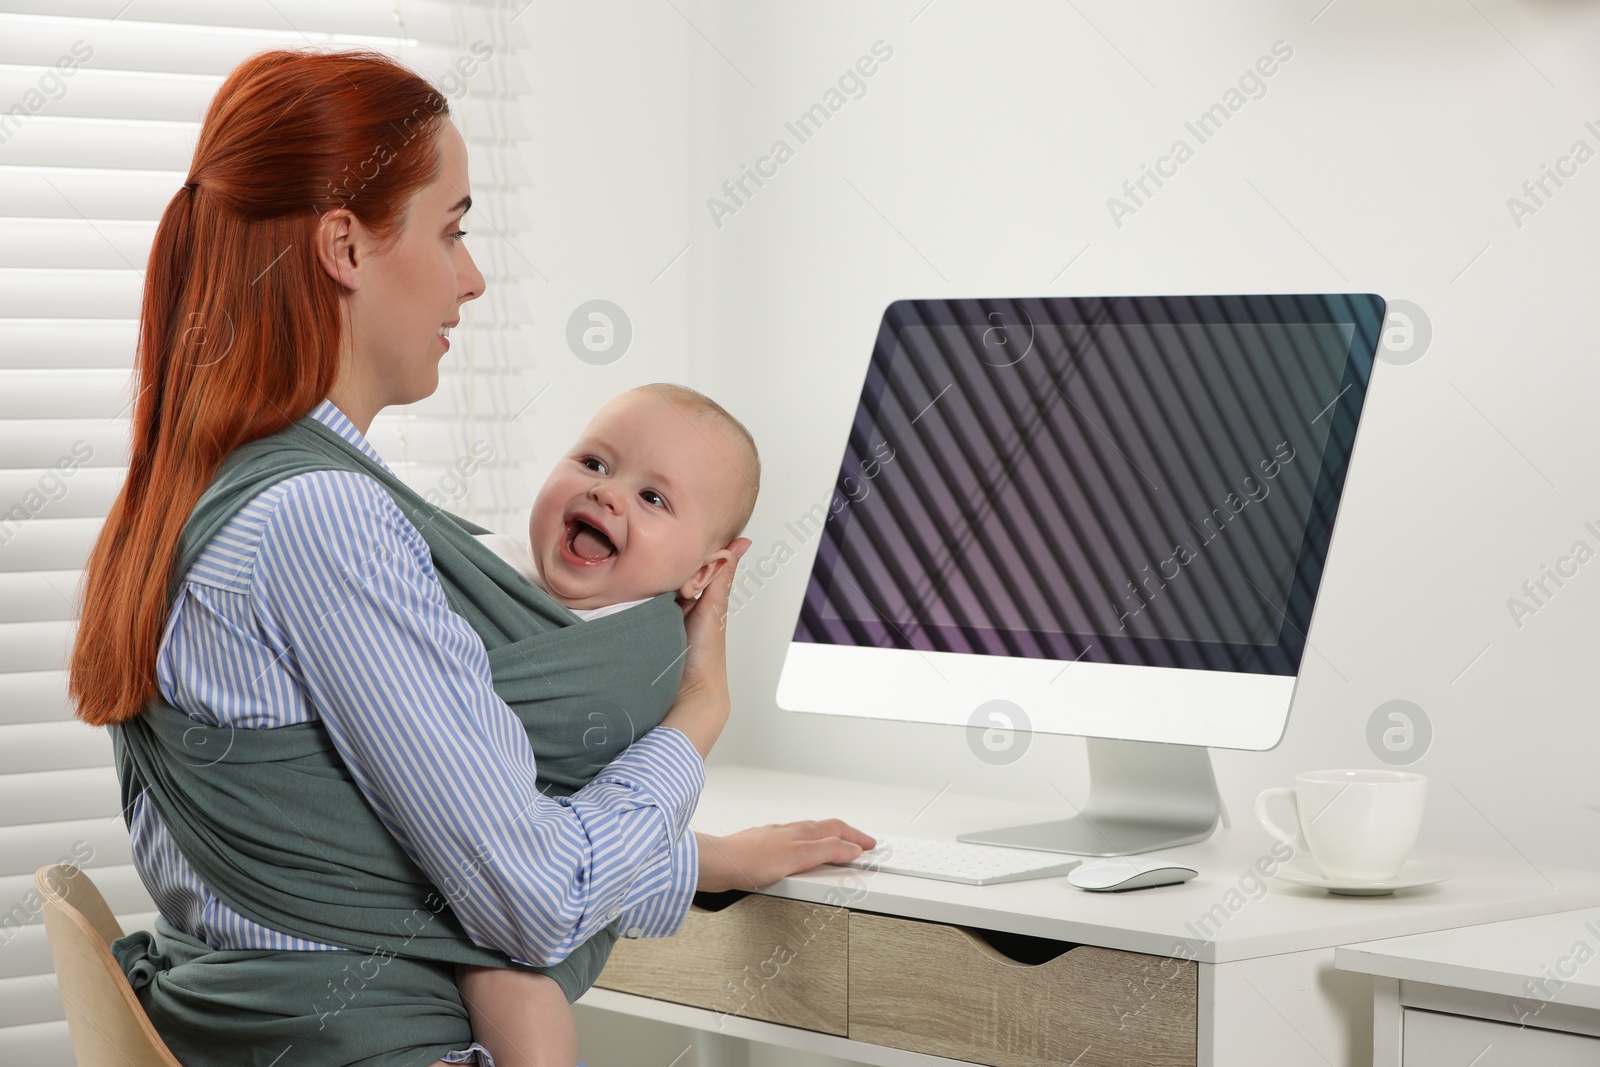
[
  {"x": 701, "y": 707},
  {"x": 761, "y": 855}
]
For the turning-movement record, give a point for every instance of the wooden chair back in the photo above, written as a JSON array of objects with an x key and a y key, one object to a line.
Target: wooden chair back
[{"x": 108, "y": 1025}]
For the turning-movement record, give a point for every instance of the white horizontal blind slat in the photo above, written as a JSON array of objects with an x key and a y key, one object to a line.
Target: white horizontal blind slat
[
  {"x": 35, "y": 596},
  {"x": 111, "y": 94},
  {"x": 34, "y": 646},
  {"x": 52, "y": 746},
  {"x": 70, "y": 294},
  {"x": 50, "y": 193},
  {"x": 40, "y": 1045},
  {"x": 43, "y": 243},
  {"x": 34, "y": 343},
  {"x": 375, "y": 19},
  {"x": 54, "y": 796},
  {"x": 90, "y": 442},
  {"x": 63, "y": 393},
  {"x": 33, "y": 696},
  {"x": 38, "y": 544},
  {"x": 29, "y": 999},
  {"x": 29, "y": 953},
  {"x": 49, "y": 140},
  {"x": 90, "y": 843},
  {"x": 85, "y": 493},
  {"x": 100, "y": 106}
]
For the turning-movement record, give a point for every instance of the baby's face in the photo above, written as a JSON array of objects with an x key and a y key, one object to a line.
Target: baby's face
[{"x": 634, "y": 508}]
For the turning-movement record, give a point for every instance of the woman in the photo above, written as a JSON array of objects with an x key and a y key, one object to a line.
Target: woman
[{"x": 305, "y": 276}]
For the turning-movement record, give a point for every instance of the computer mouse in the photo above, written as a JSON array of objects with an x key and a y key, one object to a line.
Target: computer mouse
[{"x": 1118, "y": 874}]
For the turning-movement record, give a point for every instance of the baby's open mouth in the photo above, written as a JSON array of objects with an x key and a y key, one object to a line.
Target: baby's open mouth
[{"x": 588, "y": 543}]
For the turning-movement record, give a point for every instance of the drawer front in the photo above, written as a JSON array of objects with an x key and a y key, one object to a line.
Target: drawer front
[
  {"x": 944, "y": 991},
  {"x": 782, "y": 961},
  {"x": 1433, "y": 1039}
]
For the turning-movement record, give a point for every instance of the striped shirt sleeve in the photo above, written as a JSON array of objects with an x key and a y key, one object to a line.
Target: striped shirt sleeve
[{"x": 348, "y": 598}]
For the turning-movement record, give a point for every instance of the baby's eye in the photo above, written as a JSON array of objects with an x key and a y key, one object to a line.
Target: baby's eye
[
  {"x": 653, "y": 498},
  {"x": 594, "y": 464}
]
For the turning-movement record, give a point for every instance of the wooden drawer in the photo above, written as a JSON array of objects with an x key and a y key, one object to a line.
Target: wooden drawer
[
  {"x": 783, "y": 961},
  {"x": 948, "y": 991}
]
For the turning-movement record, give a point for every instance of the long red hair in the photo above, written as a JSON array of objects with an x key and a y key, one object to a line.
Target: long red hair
[{"x": 239, "y": 332}]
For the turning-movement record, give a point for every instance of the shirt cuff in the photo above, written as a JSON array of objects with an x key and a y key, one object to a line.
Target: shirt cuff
[
  {"x": 662, "y": 772},
  {"x": 663, "y": 914},
  {"x": 673, "y": 774}
]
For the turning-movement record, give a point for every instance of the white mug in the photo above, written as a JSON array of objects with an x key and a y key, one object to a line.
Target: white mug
[{"x": 1358, "y": 825}]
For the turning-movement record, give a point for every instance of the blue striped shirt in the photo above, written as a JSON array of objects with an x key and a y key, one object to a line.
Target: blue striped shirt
[{"x": 318, "y": 600}]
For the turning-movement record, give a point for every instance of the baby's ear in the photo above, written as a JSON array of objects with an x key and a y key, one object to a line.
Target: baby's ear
[{"x": 707, "y": 571}]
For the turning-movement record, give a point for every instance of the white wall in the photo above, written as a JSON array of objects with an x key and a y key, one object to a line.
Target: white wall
[
  {"x": 608, "y": 114},
  {"x": 980, "y": 161}
]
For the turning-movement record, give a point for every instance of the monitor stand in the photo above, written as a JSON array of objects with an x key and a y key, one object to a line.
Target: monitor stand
[{"x": 1143, "y": 796}]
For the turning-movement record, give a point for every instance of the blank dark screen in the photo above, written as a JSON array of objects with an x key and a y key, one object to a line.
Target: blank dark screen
[{"x": 1125, "y": 491}]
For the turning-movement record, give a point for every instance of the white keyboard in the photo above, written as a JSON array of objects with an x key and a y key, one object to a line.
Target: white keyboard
[{"x": 957, "y": 861}]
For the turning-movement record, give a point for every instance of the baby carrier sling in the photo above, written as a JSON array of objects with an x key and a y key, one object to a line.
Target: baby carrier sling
[{"x": 274, "y": 825}]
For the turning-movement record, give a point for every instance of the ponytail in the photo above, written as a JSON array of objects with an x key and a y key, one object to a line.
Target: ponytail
[{"x": 239, "y": 332}]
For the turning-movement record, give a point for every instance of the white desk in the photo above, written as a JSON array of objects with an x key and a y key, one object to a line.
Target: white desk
[
  {"x": 1269, "y": 995},
  {"x": 1525, "y": 991}
]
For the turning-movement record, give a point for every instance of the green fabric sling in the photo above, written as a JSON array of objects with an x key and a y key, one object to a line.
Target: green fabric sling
[{"x": 274, "y": 825}]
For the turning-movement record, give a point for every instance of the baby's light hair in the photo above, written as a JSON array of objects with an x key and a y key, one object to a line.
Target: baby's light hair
[{"x": 692, "y": 400}]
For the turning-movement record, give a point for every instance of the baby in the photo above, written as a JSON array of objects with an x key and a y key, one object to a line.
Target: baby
[{"x": 647, "y": 502}]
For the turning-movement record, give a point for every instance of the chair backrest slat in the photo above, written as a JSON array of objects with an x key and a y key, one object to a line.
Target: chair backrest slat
[{"x": 109, "y": 1027}]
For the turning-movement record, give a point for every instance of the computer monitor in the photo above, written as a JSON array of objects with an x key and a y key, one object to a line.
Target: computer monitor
[{"x": 1102, "y": 516}]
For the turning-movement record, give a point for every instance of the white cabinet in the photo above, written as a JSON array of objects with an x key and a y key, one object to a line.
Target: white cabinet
[
  {"x": 1437, "y": 1039},
  {"x": 1506, "y": 994}
]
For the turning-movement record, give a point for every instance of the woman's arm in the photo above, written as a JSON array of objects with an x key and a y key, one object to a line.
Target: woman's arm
[
  {"x": 345, "y": 588},
  {"x": 761, "y": 855}
]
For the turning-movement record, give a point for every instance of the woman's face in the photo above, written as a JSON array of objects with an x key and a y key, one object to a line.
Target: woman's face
[{"x": 410, "y": 291}]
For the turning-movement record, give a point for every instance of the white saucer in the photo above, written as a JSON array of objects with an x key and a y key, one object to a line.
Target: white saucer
[{"x": 1415, "y": 873}]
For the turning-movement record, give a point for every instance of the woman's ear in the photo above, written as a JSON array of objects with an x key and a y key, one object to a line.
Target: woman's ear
[
  {"x": 337, "y": 237},
  {"x": 708, "y": 570}
]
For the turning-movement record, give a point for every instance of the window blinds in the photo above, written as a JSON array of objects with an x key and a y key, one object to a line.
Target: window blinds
[{"x": 100, "y": 102}]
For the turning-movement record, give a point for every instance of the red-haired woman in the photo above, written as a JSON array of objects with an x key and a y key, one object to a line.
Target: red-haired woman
[{"x": 253, "y": 616}]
